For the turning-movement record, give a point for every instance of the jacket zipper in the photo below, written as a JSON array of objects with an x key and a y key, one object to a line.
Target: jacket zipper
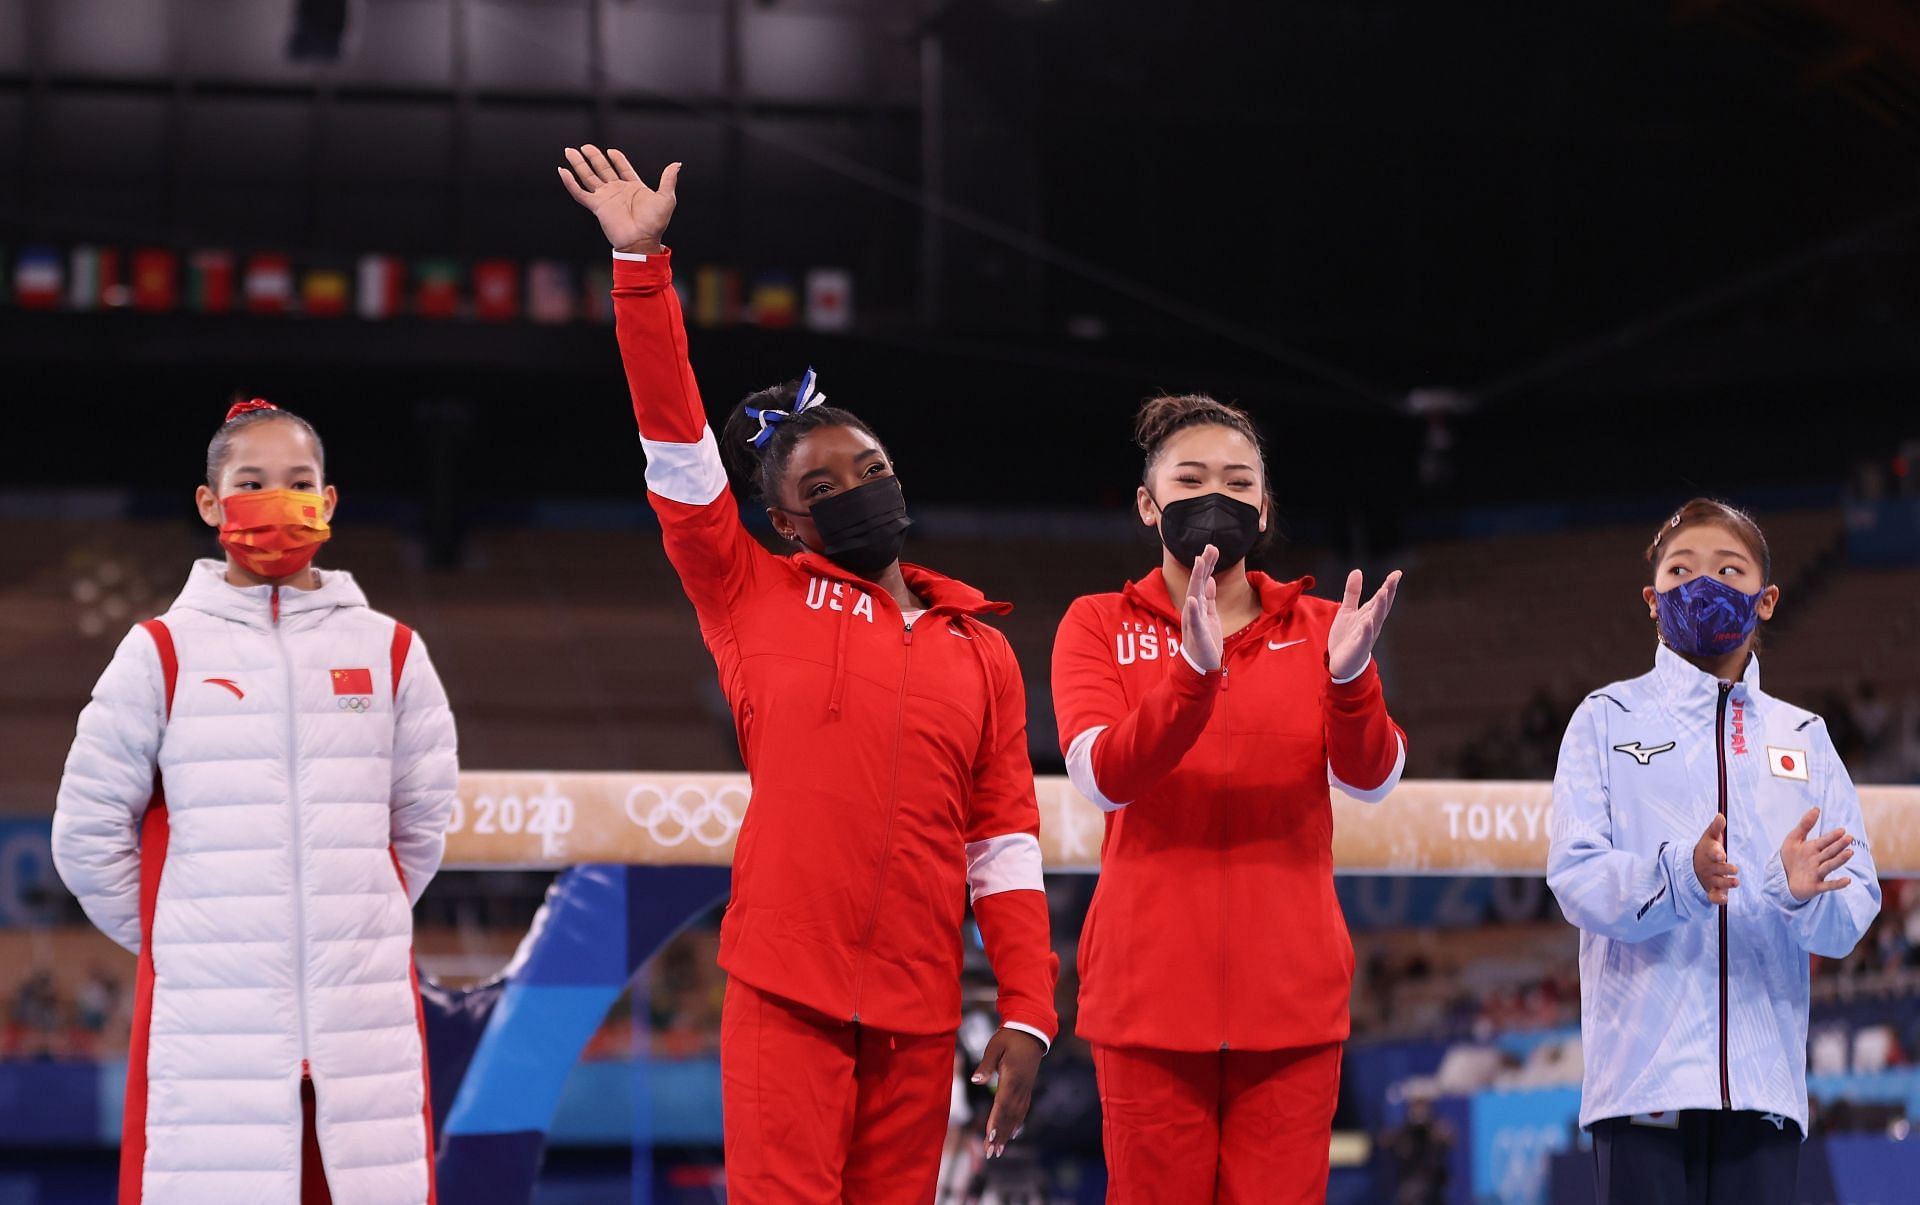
[
  {"x": 893, "y": 810},
  {"x": 293, "y": 812},
  {"x": 1727, "y": 837},
  {"x": 1226, "y": 861},
  {"x": 1226, "y": 864}
]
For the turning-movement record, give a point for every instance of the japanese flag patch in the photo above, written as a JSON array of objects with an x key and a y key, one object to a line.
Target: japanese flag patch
[{"x": 1787, "y": 763}]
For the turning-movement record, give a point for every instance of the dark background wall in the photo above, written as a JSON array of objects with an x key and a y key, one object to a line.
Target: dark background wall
[{"x": 1654, "y": 247}]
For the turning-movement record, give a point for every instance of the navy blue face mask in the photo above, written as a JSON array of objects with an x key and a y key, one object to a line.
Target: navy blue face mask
[{"x": 1705, "y": 617}]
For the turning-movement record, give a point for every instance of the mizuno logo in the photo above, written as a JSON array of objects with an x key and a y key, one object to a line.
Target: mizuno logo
[
  {"x": 229, "y": 683},
  {"x": 1641, "y": 753},
  {"x": 1285, "y": 644}
]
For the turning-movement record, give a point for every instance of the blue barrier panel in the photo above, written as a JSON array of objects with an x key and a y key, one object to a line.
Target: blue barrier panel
[
  {"x": 1453, "y": 1114},
  {"x": 682, "y": 1104},
  {"x": 29, "y": 885},
  {"x": 48, "y": 1104},
  {"x": 1513, "y": 1136},
  {"x": 1868, "y": 1169},
  {"x": 599, "y": 923},
  {"x": 1899, "y": 1085},
  {"x": 1369, "y": 1069},
  {"x": 1885, "y": 532}
]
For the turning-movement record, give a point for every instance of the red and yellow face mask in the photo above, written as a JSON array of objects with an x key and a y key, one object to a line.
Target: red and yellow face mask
[{"x": 273, "y": 533}]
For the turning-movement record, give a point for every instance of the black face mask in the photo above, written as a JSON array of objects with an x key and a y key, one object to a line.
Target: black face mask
[
  {"x": 1189, "y": 525},
  {"x": 862, "y": 530}
]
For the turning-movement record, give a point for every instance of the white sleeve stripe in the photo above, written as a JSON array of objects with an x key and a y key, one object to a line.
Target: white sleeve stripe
[
  {"x": 1355, "y": 675},
  {"x": 1080, "y": 770},
  {"x": 1376, "y": 794},
  {"x": 630, "y": 256},
  {"x": 687, "y": 473},
  {"x": 1008, "y": 863},
  {"x": 1046, "y": 1045}
]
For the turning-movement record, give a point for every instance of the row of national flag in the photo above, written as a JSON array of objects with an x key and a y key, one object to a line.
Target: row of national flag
[{"x": 378, "y": 287}]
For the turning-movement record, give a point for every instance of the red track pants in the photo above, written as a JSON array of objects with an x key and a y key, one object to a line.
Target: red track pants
[
  {"x": 821, "y": 1111},
  {"x": 313, "y": 1175},
  {"x": 1232, "y": 1127}
]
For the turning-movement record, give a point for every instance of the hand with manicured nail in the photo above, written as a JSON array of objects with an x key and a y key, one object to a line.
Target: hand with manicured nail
[{"x": 1015, "y": 1056}]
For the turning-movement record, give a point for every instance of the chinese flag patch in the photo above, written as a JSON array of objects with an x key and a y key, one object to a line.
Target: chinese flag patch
[{"x": 353, "y": 681}]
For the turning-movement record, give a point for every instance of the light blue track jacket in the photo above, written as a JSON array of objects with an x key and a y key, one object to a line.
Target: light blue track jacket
[{"x": 1685, "y": 1005}]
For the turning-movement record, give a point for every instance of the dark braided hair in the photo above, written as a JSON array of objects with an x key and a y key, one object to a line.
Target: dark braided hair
[
  {"x": 1161, "y": 417},
  {"x": 219, "y": 447},
  {"x": 756, "y": 472}
]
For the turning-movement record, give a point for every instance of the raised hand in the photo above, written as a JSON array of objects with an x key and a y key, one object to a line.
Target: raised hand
[
  {"x": 632, "y": 216},
  {"x": 1710, "y": 863},
  {"x": 1015, "y": 1056},
  {"x": 1200, "y": 633},
  {"x": 1355, "y": 628},
  {"x": 1808, "y": 863}
]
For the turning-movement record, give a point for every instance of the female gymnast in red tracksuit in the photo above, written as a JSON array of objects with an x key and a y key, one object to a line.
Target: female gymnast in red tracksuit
[
  {"x": 1205, "y": 709},
  {"x": 884, "y": 727}
]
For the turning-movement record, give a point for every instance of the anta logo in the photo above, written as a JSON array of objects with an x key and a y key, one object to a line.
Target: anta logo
[
  {"x": 352, "y": 689},
  {"x": 229, "y": 683},
  {"x": 1138, "y": 641},
  {"x": 1739, "y": 726},
  {"x": 823, "y": 595}
]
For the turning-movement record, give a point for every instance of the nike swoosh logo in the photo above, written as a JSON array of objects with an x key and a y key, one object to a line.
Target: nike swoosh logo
[
  {"x": 957, "y": 632},
  {"x": 1285, "y": 644},
  {"x": 228, "y": 683}
]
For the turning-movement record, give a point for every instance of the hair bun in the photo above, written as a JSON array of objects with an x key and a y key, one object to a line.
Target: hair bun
[
  {"x": 239, "y": 408},
  {"x": 1162, "y": 415}
]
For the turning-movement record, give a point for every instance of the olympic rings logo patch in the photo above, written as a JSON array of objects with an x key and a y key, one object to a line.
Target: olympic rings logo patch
[
  {"x": 688, "y": 811},
  {"x": 354, "y": 703}
]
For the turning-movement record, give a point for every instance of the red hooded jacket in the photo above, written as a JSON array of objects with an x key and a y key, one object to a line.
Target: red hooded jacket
[
  {"x": 1214, "y": 925},
  {"x": 889, "y": 763}
]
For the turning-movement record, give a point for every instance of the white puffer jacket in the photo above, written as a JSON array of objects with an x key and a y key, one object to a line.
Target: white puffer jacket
[{"x": 298, "y": 784}]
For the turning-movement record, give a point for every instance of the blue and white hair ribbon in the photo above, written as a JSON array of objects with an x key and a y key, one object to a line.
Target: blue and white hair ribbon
[{"x": 770, "y": 418}]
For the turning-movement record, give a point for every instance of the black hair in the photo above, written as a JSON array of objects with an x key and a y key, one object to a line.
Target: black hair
[
  {"x": 756, "y": 471},
  {"x": 217, "y": 448}
]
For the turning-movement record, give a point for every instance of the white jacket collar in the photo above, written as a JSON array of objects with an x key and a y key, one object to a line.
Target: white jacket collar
[
  {"x": 1682, "y": 683},
  {"x": 209, "y": 591}
]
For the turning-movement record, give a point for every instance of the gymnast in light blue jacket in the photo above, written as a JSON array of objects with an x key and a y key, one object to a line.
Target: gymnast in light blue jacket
[{"x": 1706, "y": 839}]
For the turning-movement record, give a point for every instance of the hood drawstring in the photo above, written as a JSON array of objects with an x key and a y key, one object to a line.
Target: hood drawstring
[{"x": 839, "y": 689}]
